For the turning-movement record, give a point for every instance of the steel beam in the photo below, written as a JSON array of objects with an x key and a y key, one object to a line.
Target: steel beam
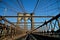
[
  {"x": 29, "y": 16},
  {"x": 54, "y": 18},
  {"x": 3, "y": 18},
  {"x": 28, "y": 22}
]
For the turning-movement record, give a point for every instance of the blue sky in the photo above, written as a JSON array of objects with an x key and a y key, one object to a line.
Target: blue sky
[{"x": 44, "y": 8}]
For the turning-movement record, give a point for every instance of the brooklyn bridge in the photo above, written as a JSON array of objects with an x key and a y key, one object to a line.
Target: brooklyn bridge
[{"x": 29, "y": 19}]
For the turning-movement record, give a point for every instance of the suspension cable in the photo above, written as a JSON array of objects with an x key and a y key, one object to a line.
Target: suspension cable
[
  {"x": 46, "y": 22},
  {"x": 8, "y": 6},
  {"x": 58, "y": 6},
  {"x": 49, "y": 10},
  {"x": 36, "y": 6},
  {"x": 21, "y": 6},
  {"x": 14, "y": 2},
  {"x": 49, "y": 5}
]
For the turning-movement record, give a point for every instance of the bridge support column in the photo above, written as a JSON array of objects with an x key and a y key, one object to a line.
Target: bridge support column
[
  {"x": 32, "y": 22},
  {"x": 19, "y": 21},
  {"x": 25, "y": 24},
  {"x": 19, "y": 18}
]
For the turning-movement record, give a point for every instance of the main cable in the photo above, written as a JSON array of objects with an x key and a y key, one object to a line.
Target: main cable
[
  {"x": 35, "y": 6},
  {"x": 20, "y": 5}
]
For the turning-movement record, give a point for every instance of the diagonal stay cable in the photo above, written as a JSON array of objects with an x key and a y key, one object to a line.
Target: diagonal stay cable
[
  {"x": 57, "y": 16},
  {"x": 48, "y": 10},
  {"x": 20, "y": 5},
  {"x": 8, "y": 6},
  {"x": 50, "y": 5},
  {"x": 58, "y": 6},
  {"x": 14, "y": 2},
  {"x": 3, "y": 18},
  {"x": 35, "y": 6}
]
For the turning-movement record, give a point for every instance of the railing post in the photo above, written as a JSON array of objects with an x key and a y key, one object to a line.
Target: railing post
[
  {"x": 46, "y": 26},
  {"x": 58, "y": 22},
  {"x": 4, "y": 31}
]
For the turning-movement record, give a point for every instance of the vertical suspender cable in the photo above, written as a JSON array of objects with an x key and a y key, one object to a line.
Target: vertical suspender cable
[
  {"x": 20, "y": 5},
  {"x": 36, "y": 6}
]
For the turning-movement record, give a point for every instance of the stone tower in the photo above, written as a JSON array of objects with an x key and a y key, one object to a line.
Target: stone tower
[{"x": 25, "y": 17}]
